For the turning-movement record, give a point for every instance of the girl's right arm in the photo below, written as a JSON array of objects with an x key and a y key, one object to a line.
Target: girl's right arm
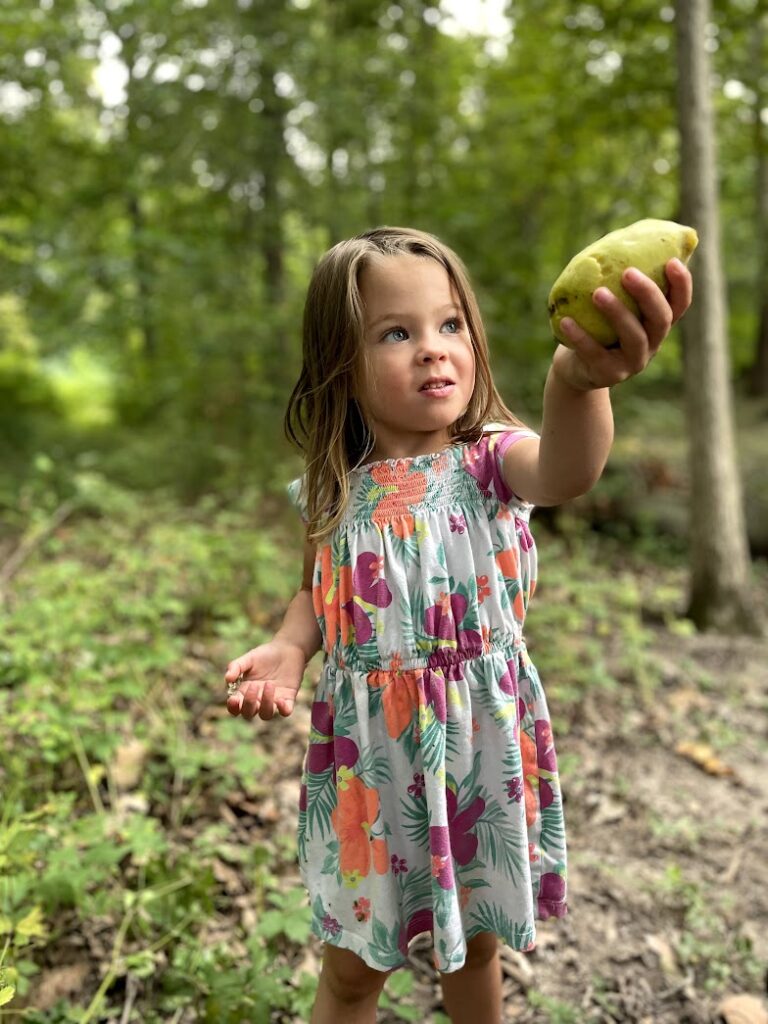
[{"x": 272, "y": 672}]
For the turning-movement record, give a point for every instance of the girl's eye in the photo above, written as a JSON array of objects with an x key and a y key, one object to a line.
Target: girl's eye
[
  {"x": 396, "y": 334},
  {"x": 454, "y": 324}
]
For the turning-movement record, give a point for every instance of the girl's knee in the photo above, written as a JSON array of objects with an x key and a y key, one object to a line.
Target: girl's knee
[
  {"x": 481, "y": 950},
  {"x": 349, "y": 977}
]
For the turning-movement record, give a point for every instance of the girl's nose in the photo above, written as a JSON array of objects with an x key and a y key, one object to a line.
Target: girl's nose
[{"x": 432, "y": 349}]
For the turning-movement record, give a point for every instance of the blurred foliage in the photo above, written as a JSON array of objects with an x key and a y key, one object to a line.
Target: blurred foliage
[{"x": 172, "y": 174}]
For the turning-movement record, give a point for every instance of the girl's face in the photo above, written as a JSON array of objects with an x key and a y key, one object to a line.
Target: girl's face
[{"x": 420, "y": 362}]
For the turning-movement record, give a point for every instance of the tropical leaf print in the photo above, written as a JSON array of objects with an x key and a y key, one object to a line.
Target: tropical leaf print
[
  {"x": 374, "y": 767},
  {"x": 488, "y": 917},
  {"x": 411, "y": 740},
  {"x": 374, "y": 700},
  {"x": 416, "y": 891},
  {"x": 552, "y": 835},
  {"x": 454, "y": 956},
  {"x": 500, "y": 840},
  {"x": 405, "y": 549},
  {"x": 431, "y": 738},
  {"x": 534, "y": 683},
  {"x": 513, "y": 761},
  {"x": 470, "y": 788},
  {"x": 453, "y": 733},
  {"x": 416, "y": 821},
  {"x": 411, "y": 617},
  {"x": 331, "y": 862},
  {"x": 443, "y": 903},
  {"x": 364, "y": 654},
  {"x": 384, "y": 947},
  {"x": 321, "y": 800}
]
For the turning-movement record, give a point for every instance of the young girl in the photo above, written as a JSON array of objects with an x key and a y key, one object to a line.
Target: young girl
[{"x": 430, "y": 798}]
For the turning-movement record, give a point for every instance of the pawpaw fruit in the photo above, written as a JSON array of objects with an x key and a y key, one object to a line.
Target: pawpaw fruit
[{"x": 647, "y": 244}]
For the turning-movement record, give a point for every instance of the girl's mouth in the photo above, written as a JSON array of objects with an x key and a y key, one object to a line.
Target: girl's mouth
[{"x": 439, "y": 388}]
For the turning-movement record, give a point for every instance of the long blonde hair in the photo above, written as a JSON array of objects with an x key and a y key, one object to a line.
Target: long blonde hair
[{"x": 323, "y": 418}]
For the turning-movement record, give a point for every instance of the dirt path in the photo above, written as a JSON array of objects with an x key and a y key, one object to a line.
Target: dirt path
[{"x": 667, "y": 814}]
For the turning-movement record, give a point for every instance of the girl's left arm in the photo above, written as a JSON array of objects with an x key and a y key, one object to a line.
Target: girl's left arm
[{"x": 577, "y": 425}]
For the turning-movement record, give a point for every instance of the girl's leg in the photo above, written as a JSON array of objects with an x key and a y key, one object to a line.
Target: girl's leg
[
  {"x": 348, "y": 991},
  {"x": 473, "y": 994}
]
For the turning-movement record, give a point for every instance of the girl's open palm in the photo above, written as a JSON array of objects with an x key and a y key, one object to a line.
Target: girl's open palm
[{"x": 271, "y": 677}]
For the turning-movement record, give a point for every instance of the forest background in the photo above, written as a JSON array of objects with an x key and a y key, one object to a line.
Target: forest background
[{"x": 169, "y": 174}]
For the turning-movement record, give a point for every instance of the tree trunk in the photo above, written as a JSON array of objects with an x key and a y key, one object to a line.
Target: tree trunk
[
  {"x": 758, "y": 371},
  {"x": 720, "y": 568}
]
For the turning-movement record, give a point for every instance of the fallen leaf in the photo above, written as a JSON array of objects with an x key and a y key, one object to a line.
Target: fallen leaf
[
  {"x": 742, "y": 1009},
  {"x": 128, "y": 764},
  {"x": 704, "y": 757},
  {"x": 666, "y": 954}
]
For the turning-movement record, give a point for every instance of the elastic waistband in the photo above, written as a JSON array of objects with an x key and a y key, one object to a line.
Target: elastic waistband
[{"x": 442, "y": 657}]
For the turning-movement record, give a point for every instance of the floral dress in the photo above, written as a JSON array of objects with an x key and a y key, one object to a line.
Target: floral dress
[{"x": 430, "y": 799}]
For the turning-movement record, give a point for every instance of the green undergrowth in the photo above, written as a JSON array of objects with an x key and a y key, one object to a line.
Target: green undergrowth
[{"x": 116, "y": 624}]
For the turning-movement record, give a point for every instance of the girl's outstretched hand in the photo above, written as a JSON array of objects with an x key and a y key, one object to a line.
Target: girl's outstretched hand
[
  {"x": 590, "y": 365},
  {"x": 271, "y": 677}
]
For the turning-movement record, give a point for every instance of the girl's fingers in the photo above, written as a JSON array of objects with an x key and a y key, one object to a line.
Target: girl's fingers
[
  {"x": 252, "y": 695},
  {"x": 680, "y": 288},
  {"x": 236, "y": 668},
  {"x": 235, "y": 703},
  {"x": 267, "y": 708},
  {"x": 655, "y": 310}
]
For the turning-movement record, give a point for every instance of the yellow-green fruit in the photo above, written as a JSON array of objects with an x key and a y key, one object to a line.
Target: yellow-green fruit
[{"x": 646, "y": 244}]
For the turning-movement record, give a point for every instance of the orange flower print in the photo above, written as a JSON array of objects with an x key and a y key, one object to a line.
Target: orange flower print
[
  {"x": 438, "y": 863},
  {"x": 362, "y": 909},
  {"x": 483, "y": 590},
  {"x": 464, "y": 893},
  {"x": 532, "y": 855},
  {"x": 402, "y": 489},
  {"x": 487, "y": 634},
  {"x": 395, "y": 663},
  {"x": 329, "y": 599},
  {"x": 531, "y": 775},
  {"x": 403, "y": 526},
  {"x": 509, "y": 564},
  {"x": 507, "y": 561},
  {"x": 356, "y": 810},
  {"x": 400, "y": 699}
]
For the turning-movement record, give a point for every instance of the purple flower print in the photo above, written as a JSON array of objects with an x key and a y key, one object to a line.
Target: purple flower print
[
  {"x": 514, "y": 789},
  {"x": 480, "y": 462},
  {"x": 416, "y": 789},
  {"x": 367, "y": 585},
  {"x": 434, "y": 693},
  {"x": 421, "y": 921},
  {"x": 440, "y": 850},
  {"x": 330, "y": 925},
  {"x": 303, "y": 797},
  {"x": 508, "y": 682},
  {"x": 443, "y": 620},
  {"x": 526, "y": 538},
  {"x": 329, "y": 749},
  {"x": 551, "y": 899},
  {"x": 399, "y": 865},
  {"x": 320, "y": 756},
  {"x": 545, "y": 747},
  {"x": 463, "y": 842},
  {"x": 454, "y": 841},
  {"x": 458, "y": 523},
  {"x": 366, "y": 582}
]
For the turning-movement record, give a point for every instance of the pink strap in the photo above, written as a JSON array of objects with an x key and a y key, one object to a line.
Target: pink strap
[
  {"x": 506, "y": 440},
  {"x": 503, "y": 445}
]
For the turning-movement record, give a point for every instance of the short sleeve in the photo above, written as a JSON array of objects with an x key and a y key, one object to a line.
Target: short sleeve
[
  {"x": 501, "y": 442},
  {"x": 298, "y": 497}
]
